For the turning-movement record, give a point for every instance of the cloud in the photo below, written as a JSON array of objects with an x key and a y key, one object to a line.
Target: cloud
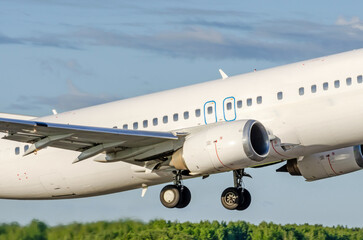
[
  {"x": 193, "y": 42},
  {"x": 194, "y": 12},
  {"x": 71, "y": 100},
  {"x": 234, "y": 25},
  {"x": 355, "y": 22},
  {"x": 8, "y": 40},
  {"x": 71, "y": 65},
  {"x": 51, "y": 40},
  {"x": 271, "y": 40},
  {"x": 42, "y": 40}
]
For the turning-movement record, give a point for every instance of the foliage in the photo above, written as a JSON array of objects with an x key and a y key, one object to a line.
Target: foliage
[{"x": 161, "y": 229}]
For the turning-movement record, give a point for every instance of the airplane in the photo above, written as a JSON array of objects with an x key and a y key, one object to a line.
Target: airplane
[{"x": 304, "y": 114}]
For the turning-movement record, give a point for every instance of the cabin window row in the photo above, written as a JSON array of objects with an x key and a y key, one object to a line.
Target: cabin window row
[
  {"x": 348, "y": 82},
  {"x": 186, "y": 114},
  {"x": 313, "y": 89},
  {"x": 249, "y": 102},
  {"x": 164, "y": 119}
]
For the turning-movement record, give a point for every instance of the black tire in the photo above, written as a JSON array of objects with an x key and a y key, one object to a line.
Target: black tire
[
  {"x": 246, "y": 200},
  {"x": 231, "y": 198},
  {"x": 186, "y": 196},
  {"x": 170, "y": 196}
]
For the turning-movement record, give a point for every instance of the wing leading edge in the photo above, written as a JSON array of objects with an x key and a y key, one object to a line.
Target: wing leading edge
[{"x": 86, "y": 139}]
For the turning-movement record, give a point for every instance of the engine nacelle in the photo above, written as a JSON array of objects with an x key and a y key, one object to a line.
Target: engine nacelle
[
  {"x": 327, "y": 164},
  {"x": 222, "y": 147}
]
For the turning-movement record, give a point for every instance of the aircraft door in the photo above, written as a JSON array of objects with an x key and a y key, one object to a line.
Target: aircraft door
[
  {"x": 229, "y": 109},
  {"x": 210, "y": 114}
]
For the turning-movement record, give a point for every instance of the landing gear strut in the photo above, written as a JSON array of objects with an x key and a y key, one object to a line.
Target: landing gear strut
[
  {"x": 236, "y": 197},
  {"x": 176, "y": 195}
]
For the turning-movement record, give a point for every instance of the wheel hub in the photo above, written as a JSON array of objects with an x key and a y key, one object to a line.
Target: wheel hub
[
  {"x": 231, "y": 198},
  {"x": 169, "y": 196}
]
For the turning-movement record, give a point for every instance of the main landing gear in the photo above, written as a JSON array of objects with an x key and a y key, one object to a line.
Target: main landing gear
[
  {"x": 233, "y": 198},
  {"x": 176, "y": 195},
  {"x": 237, "y": 197}
]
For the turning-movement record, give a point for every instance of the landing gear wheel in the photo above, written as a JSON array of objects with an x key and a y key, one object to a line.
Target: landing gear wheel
[
  {"x": 176, "y": 195},
  {"x": 231, "y": 198},
  {"x": 237, "y": 197},
  {"x": 185, "y": 197},
  {"x": 246, "y": 199},
  {"x": 170, "y": 196}
]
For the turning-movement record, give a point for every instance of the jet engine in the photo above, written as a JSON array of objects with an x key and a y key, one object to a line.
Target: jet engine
[
  {"x": 222, "y": 147},
  {"x": 326, "y": 164}
]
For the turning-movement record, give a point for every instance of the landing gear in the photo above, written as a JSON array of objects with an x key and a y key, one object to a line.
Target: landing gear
[
  {"x": 176, "y": 195},
  {"x": 233, "y": 198},
  {"x": 236, "y": 197}
]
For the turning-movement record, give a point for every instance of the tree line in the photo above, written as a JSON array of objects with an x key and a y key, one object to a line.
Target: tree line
[{"x": 161, "y": 229}]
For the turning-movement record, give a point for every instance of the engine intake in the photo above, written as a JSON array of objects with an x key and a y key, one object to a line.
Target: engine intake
[
  {"x": 255, "y": 140},
  {"x": 223, "y": 146}
]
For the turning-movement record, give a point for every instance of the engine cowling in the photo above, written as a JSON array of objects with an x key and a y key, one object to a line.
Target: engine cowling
[
  {"x": 327, "y": 164},
  {"x": 222, "y": 147}
]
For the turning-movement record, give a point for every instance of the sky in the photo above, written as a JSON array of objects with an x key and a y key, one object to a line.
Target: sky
[{"x": 66, "y": 55}]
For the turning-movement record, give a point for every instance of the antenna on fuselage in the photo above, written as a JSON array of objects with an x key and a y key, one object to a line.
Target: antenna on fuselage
[{"x": 224, "y": 76}]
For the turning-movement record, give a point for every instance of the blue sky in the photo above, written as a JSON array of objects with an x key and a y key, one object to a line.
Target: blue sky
[{"x": 67, "y": 54}]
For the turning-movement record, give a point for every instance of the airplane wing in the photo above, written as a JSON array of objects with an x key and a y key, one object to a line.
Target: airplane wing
[{"x": 86, "y": 139}]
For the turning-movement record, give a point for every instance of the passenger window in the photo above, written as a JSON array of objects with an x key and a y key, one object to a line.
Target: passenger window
[
  {"x": 125, "y": 126},
  {"x": 155, "y": 121},
  {"x": 145, "y": 123},
  {"x": 26, "y": 147},
  {"x": 210, "y": 110},
  {"x": 249, "y": 101},
  {"x": 349, "y": 81},
  {"x": 186, "y": 115},
  {"x": 17, "y": 150},
  {"x": 336, "y": 83},
  {"x": 175, "y": 117},
  {"x": 259, "y": 100},
  {"x": 313, "y": 88},
  {"x": 135, "y": 125},
  {"x": 229, "y": 106},
  {"x": 325, "y": 86},
  {"x": 301, "y": 91},
  {"x": 197, "y": 112},
  {"x": 279, "y": 95},
  {"x": 239, "y": 103},
  {"x": 165, "y": 119},
  {"x": 359, "y": 79}
]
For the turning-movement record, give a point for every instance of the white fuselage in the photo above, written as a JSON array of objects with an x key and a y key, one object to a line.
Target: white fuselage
[{"x": 302, "y": 104}]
